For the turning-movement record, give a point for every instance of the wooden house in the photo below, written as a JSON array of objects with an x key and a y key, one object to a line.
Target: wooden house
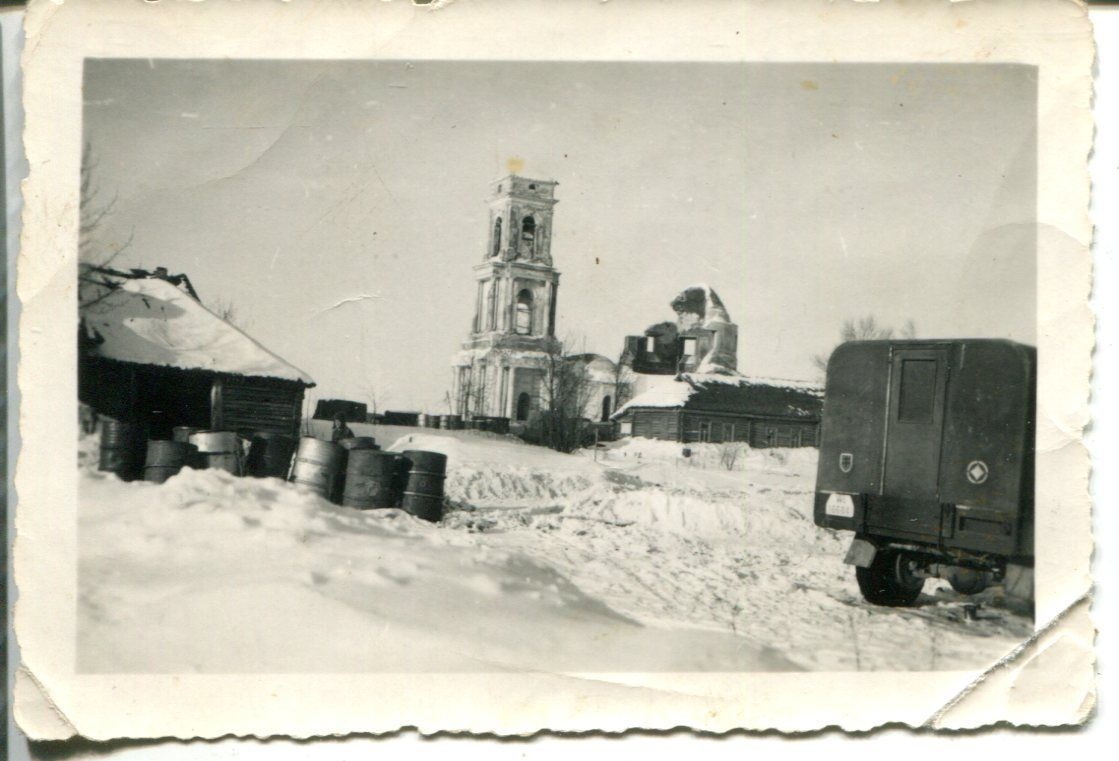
[
  {"x": 151, "y": 353},
  {"x": 695, "y": 407}
]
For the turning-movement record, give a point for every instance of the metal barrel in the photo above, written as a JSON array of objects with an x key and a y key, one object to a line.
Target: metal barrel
[
  {"x": 423, "y": 492},
  {"x": 166, "y": 458},
  {"x": 270, "y": 455},
  {"x": 371, "y": 479},
  {"x": 220, "y": 450},
  {"x": 122, "y": 448},
  {"x": 358, "y": 442},
  {"x": 434, "y": 421},
  {"x": 318, "y": 465},
  {"x": 422, "y": 421},
  {"x": 452, "y": 422},
  {"x": 183, "y": 433}
]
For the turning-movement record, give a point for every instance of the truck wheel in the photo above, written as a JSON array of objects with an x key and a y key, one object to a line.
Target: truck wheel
[{"x": 889, "y": 580}]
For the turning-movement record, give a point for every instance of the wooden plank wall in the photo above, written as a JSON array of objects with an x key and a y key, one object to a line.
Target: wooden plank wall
[
  {"x": 252, "y": 405},
  {"x": 657, "y": 424},
  {"x": 670, "y": 424}
]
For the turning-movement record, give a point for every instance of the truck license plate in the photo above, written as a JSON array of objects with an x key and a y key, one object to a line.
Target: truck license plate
[{"x": 840, "y": 505}]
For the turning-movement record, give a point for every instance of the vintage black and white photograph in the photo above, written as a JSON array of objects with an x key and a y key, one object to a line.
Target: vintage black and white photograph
[
  {"x": 476, "y": 365},
  {"x": 400, "y": 368}
]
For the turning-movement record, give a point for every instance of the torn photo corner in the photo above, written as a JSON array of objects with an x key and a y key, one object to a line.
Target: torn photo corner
[{"x": 508, "y": 367}]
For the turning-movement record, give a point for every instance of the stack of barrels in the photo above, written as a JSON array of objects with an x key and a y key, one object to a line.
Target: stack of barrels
[
  {"x": 357, "y": 473},
  {"x": 127, "y": 452},
  {"x": 489, "y": 423},
  {"x": 354, "y": 472}
]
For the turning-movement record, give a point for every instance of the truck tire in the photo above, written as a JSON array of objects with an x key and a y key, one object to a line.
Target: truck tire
[{"x": 888, "y": 580}]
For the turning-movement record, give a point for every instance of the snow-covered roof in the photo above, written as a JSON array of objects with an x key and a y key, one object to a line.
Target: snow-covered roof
[
  {"x": 151, "y": 322},
  {"x": 679, "y": 390},
  {"x": 740, "y": 379},
  {"x": 662, "y": 391}
]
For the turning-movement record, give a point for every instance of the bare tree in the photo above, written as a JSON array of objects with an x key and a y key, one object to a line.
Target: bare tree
[
  {"x": 566, "y": 392},
  {"x": 623, "y": 381},
  {"x": 728, "y": 453},
  {"x": 227, "y": 310},
  {"x": 866, "y": 329},
  {"x": 94, "y": 253}
]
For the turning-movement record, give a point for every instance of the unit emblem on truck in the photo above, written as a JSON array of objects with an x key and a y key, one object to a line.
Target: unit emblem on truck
[
  {"x": 846, "y": 462},
  {"x": 977, "y": 471}
]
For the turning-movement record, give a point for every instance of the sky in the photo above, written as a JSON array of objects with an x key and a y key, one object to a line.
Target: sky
[{"x": 339, "y": 206}]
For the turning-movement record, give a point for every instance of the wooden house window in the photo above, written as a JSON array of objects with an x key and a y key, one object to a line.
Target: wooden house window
[{"x": 704, "y": 432}]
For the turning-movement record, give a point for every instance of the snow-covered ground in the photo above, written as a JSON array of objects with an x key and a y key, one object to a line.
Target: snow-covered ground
[{"x": 633, "y": 558}]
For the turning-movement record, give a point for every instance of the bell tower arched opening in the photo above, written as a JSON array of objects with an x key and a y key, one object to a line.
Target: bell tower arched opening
[
  {"x": 522, "y": 321},
  {"x": 528, "y": 235},
  {"x": 495, "y": 250}
]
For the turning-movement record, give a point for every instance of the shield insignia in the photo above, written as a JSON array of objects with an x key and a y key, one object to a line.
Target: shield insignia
[{"x": 846, "y": 461}]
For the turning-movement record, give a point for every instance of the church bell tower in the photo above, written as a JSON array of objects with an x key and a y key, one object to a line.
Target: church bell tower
[
  {"x": 516, "y": 281},
  {"x": 513, "y": 330}
]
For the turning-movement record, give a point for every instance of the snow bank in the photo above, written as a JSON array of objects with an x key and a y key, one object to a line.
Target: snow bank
[
  {"x": 639, "y": 560},
  {"x": 213, "y": 573}
]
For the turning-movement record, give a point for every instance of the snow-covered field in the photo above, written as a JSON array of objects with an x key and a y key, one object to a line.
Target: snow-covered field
[{"x": 634, "y": 559}]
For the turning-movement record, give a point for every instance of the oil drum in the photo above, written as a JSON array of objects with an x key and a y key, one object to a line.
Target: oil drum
[
  {"x": 219, "y": 450},
  {"x": 270, "y": 455},
  {"x": 371, "y": 479},
  {"x": 318, "y": 465},
  {"x": 183, "y": 433},
  {"x": 451, "y": 422},
  {"x": 423, "y": 492},
  {"x": 166, "y": 459},
  {"x": 122, "y": 448}
]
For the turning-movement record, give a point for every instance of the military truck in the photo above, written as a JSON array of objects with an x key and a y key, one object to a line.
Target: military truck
[{"x": 927, "y": 455}]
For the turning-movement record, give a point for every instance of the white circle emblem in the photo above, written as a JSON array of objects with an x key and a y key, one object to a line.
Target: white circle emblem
[{"x": 977, "y": 471}]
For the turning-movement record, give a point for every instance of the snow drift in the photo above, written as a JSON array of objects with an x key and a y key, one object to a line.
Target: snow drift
[{"x": 631, "y": 558}]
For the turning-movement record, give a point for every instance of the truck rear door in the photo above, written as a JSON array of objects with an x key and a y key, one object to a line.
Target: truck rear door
[{"x": 910, "y": 503}]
